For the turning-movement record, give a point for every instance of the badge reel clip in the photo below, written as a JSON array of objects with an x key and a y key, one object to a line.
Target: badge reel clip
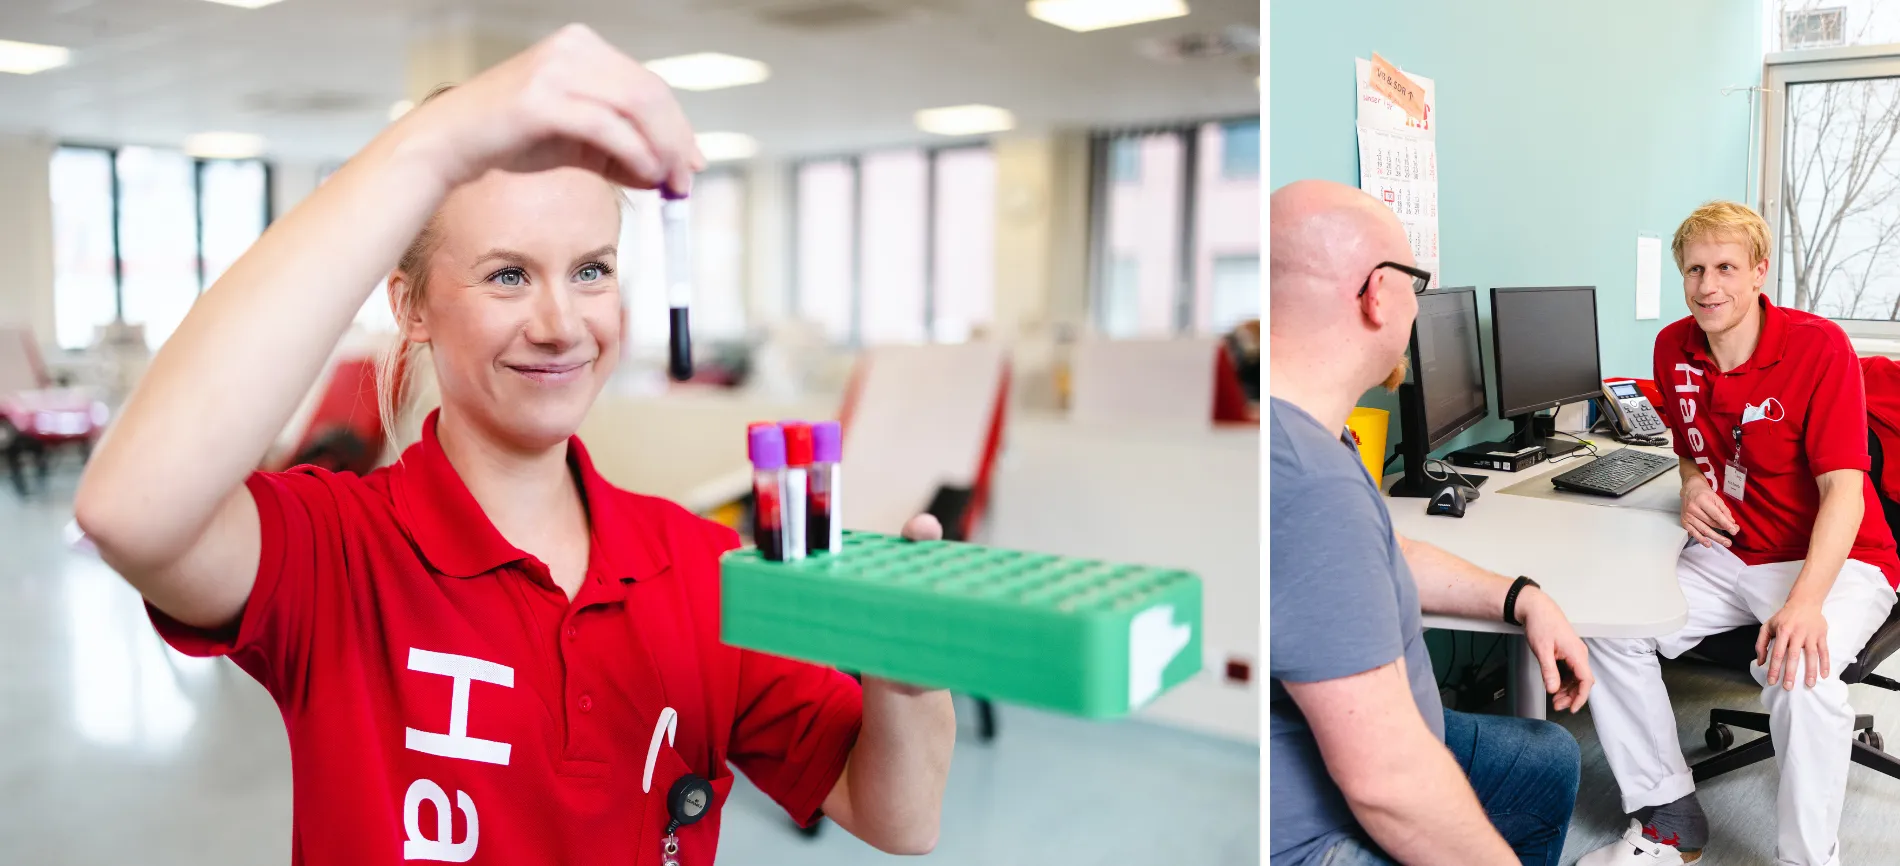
[{"x": 687, "y": 801}]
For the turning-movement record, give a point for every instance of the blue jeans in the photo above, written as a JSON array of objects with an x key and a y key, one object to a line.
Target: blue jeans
[{"x": 1525, "y": 773}]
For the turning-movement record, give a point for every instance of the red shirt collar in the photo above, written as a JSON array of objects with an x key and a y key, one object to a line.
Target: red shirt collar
[
  {"x": 1768, "y": 351},
  {"x": 452, "y": 532}
]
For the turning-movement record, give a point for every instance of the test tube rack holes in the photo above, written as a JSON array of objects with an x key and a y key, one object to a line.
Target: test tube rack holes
[{"x": 1077, "y": 636}]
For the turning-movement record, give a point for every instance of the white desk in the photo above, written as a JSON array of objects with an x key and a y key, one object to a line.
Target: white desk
[{"x": 1609, "y": 563}]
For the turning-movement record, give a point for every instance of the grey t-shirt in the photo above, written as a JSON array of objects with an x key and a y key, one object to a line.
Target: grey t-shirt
[{"x": 1343, "y": 603}]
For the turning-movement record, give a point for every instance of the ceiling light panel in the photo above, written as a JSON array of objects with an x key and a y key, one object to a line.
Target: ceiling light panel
[
  {"x": 960, "y": 120},
  {"x": 708, "y": 71},
  {"x": 26, "y": 58},
  {"x": 1083, "y": 16}
]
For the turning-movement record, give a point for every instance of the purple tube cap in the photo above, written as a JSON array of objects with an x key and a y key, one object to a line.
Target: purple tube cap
[
  {"x": 827, "y": 442},
  {"x": 668, "y": 193},
  {"x": 765, "y": 445}
]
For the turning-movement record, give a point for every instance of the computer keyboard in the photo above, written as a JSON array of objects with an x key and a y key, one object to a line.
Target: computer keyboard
[{"x": 1615, "y": 474}]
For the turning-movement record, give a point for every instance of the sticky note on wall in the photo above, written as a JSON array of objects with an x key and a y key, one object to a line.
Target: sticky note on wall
[{"x": 1394, "y": 85}]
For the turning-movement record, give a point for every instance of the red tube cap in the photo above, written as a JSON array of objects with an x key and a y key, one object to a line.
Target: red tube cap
[{"x": 797, "y": 443}]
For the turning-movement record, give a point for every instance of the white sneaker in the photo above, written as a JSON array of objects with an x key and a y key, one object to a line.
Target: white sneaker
[{"x": 1636, "y": 850}]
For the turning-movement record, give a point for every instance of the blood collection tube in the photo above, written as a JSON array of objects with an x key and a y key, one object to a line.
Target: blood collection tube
[
  {"x": 824, "y": 527},
  {"x": 797, "y": 469},
  {"x": 765, "y": 444},
  {"x": 677, "y": 230}
]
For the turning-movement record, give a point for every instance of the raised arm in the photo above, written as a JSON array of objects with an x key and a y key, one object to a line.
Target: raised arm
[{"x": 164, "y": 498}]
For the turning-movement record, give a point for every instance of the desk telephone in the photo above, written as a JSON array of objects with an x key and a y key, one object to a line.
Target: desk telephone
[{"x": 1629, "y": 410}]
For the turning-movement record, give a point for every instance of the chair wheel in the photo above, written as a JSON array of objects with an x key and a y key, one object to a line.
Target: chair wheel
[
  {"x": 1873, "y": 739},
  {"x": 1719, "y": 737}
]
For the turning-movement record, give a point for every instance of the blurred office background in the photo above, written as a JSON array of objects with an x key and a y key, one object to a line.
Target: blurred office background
[{"x": 1067, "y": 191}]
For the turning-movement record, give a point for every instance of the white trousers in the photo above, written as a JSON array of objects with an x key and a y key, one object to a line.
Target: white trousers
[{"x": 1812, "y": 728}]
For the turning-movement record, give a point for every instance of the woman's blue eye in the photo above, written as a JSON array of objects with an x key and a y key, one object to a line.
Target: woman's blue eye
[
  {"x": 590, "y": 273},
  {"x": 511, "y": 278}
]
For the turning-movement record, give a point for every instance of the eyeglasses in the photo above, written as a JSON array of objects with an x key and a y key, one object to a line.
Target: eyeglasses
[{"x": 1421, "y": 278}]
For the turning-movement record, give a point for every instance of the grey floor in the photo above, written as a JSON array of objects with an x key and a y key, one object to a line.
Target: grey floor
[
  {"x": 1741, "y": 805},
  {"x": 119, "y": 750}
]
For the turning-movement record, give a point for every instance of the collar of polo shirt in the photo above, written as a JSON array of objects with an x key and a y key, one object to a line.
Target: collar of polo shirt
[{"x": 457, "y": 539}]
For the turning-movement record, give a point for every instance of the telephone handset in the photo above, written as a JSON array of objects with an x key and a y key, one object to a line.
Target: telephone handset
[{"x": 1630, "y": 410}]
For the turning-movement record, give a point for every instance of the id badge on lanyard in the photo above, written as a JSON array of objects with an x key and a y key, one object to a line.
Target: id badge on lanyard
[{"x": 1734, "y": 477}]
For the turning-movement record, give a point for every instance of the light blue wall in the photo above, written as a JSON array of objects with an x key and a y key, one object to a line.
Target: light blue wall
[{"x": 1568, "y": 128}]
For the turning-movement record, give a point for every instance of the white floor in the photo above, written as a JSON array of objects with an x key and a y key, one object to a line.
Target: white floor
[{"x": 119, "y": 750}]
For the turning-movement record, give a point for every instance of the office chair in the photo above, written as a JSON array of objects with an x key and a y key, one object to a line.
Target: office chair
[{"x": 1735, "y": 650}]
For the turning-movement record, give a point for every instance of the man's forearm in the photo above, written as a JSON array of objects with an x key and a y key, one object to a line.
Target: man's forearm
[
  {"x": 1835, "y": 527},
  {"x": 1451, "y": 586},
  {"x": 1400, "y": 781},
  {"x": 1426, "y": 814}
]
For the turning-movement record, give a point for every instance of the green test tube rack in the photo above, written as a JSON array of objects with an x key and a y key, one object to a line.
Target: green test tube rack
[{"x": 1075, "y": 636}]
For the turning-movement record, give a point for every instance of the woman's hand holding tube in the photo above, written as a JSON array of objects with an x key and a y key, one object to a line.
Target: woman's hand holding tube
[{"x": 572, "y": 100}]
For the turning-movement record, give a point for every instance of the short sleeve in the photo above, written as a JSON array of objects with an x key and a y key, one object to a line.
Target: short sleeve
[
  {"x": 1334, "y": 584},
  {"x": 1836, "y": 431},
  {"x": 299, "y": 529},
  {"x": 795, "y": 725}
]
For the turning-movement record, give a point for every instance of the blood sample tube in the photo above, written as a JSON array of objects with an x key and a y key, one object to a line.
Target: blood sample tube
[
  {"x": 677, "y": 231},
  {"x": 765, "y": 444},
  {"x": 797, "y": 468},
  {"x": 824, "y": 527}
]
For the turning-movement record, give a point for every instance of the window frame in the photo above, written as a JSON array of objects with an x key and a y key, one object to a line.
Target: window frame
[
  {"x": 1102, "y": 176},
  {"x": 1810, "y": 67},
  {"x": 197, "y": 197},
  {"x": 854, "y": 160}
]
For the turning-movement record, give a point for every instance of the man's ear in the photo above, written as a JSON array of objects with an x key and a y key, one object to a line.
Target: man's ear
[
  {"x": 1761, "y": 272},
  {"x": 1371, "y": 304},
  {"x": 408, "y": 321}
]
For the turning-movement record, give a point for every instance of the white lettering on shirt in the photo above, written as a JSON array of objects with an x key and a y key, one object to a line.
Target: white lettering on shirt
[
  {"x": 1685, "y": 406},
  {"x": 420, "y": 847},
  {"x": 457, "y": 743},
  {"x": 1688, "y": 385}
]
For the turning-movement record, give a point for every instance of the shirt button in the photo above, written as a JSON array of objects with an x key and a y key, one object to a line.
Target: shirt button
[
  {"x": 587, "y": 703},
  {"x": 572, "y": 632}
]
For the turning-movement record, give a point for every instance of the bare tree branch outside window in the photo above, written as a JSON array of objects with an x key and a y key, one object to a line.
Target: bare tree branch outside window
[{"x": 1840, "y": 186}]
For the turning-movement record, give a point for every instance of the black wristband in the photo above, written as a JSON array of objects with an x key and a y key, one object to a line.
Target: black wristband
[{"x": 1510, "y": 600}]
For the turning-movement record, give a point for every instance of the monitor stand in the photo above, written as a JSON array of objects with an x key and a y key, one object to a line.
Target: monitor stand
[
  {"x": 1415, "y": 483},
  {"x": 1524, "y": 435}
]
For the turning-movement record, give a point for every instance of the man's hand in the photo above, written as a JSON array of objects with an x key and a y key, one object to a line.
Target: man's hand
[
  {"x": 1795, "y": 632},
  {"x": 1705, "y": 515},
  {"x": 1552, "y": 640}
]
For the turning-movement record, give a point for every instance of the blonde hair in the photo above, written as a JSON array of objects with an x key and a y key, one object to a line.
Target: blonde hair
[
  {"x": 1727, "y": 220},
  {"x": 395, "y": 367}
]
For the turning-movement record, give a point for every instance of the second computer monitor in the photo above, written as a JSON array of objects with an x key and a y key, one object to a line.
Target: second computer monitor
[
  {"x": 1446, "y": 366},
  {"x": 1444, "y": 395},
  {"x": 1545, "y": 349}
]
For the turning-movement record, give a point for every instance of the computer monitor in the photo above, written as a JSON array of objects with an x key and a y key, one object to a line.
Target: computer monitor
[
  {"x": 1544, "y": 342},
  {"x": 1444, "y": 392}
]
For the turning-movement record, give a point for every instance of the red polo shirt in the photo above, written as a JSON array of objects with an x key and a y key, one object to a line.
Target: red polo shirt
[
  {"x": 445, "y": 700},
  {"x": 1803, "y": 380}
]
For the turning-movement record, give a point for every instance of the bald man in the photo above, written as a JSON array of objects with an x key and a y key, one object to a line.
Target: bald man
[{"x": 1367, "y": 766}]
